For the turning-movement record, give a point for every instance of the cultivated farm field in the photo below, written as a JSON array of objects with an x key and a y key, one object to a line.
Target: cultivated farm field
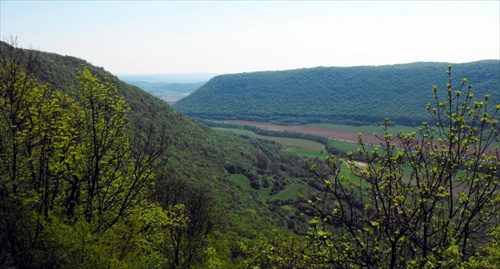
[{"x": 335, "y": 134}]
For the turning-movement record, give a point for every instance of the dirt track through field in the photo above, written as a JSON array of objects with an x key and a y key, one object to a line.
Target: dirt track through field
[{"x": 332, "y": 134}]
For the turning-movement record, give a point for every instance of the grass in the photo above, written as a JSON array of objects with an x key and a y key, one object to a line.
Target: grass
[
  {"x": 307, "y": 153},
  {"x": 290, "y": 209},
  {"x": 297, "y": 143},
  {"x": 348, "y": 146},
  {"x": 292, "y": 192},
  {"x": 244, "y": 183},
  {"x": 241, "y": 180}
]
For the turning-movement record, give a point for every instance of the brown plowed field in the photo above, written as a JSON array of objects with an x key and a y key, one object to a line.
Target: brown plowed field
[{"x": 333, "y": 134}]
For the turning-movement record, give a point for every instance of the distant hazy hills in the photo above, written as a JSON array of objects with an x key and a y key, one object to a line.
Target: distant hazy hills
[
  {"x": 169, "y": 87},
  {"x": 348, "y": 95},
  {"x": 168, "y": 77},
  {"x": 169, "y": 92}
]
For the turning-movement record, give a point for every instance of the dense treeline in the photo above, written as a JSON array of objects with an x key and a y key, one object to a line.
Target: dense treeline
[{"x": 345, "y": 95}]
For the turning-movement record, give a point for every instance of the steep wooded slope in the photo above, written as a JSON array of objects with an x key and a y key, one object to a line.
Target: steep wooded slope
[
  {"x": 347, "y": 95},
  {"x": 197, "y": 153},
  {"x": 186, "y": 134}
]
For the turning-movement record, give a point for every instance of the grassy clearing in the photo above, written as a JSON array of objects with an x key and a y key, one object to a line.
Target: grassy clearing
[
  {"x": 292, "y": 192},
  {"x": 263, "y": 193},
  {"x": 290, "y": 209},
  {"x": 302, "y": 144},
  {"x": 241, "y": 180},
  {"x": 244, "y": 183},
  {"x": 348, "y": 146},
  {"x": 307, "y": 153}
]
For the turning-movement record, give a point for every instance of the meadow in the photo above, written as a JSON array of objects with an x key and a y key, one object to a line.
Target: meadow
[{"x": 301, "y": 144}]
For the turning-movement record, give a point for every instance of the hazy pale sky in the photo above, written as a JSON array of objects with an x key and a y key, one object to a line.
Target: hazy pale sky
[{"x": 138, "y": 37}]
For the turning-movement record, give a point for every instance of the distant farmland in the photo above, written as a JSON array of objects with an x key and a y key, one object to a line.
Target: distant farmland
[{"x": 342, "y": 135}]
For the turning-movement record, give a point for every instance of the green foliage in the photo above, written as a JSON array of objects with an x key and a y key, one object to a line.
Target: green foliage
[
  {"x": 186, "y": 243},
  {"x": 422, "y": 201},
  {"x": 361, "y": 95},
  {"x": 71, "y": 192},
  {"x": 133, "y": 242},
  {"x": 278, "y": 252},
  {"x": 307, "y": 153},
  {"x": 81, "y": 195},
  {"x": 85, "y": 182}
]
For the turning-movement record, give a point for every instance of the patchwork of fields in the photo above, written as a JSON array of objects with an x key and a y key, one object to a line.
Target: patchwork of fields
[
  {"x": 345, "y": 137},
  {"x": 341, "y": 135}
]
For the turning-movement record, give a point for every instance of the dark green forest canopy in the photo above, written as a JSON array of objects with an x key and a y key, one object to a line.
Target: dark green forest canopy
[{"x": 345, "y": 95}]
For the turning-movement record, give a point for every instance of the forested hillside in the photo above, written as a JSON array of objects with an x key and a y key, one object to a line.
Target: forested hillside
[
  {"x": 345, "y": 95},
  {"x": 85, "y": 154}
]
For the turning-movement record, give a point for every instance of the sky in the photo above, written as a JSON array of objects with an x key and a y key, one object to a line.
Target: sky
[{"x": 153, "y": 37}]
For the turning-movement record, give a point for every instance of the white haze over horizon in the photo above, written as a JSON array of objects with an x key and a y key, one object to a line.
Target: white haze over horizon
[{"x": 217, "y": 37}]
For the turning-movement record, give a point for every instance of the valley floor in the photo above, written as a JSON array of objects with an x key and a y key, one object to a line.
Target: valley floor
[{"x": 347, "y": 136}]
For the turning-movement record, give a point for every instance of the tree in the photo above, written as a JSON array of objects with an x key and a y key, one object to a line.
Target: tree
[
  {"x": 36, "y": 130},
  {"x": 73, "y": 191},
  {"x": 186, "y": 243},
  {"x": 425, "y": 199}
]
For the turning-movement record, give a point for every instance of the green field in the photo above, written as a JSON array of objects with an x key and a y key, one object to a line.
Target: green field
[
  {"x": 307, "y": 153},
  {"x": 302, "y": 144},
  {"x": 244, "y": 183},
  {"x": 352, "y": 147},
  {"x": 292, "y": 192}
]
